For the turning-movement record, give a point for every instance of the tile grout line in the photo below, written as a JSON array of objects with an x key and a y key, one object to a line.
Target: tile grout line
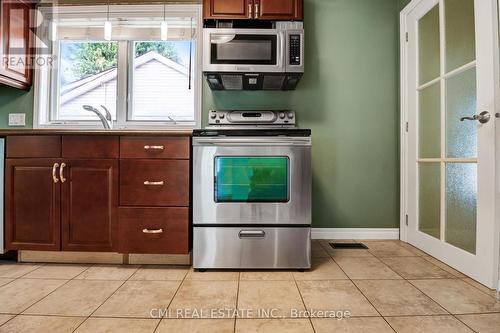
[
  {"x": 303, "y": 301},
  {"x": 171, "y": 300},
  {"x": 107, "y": 298},
  {"x": 237, "y": 299}
]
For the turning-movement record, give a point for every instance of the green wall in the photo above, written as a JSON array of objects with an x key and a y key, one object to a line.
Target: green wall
[
  {"x": 14, "y": 100},
  {"x": 348, "y": 97}
]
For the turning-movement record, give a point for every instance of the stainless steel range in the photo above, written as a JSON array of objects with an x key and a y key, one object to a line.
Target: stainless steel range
[{"x": 252, "y": 191}]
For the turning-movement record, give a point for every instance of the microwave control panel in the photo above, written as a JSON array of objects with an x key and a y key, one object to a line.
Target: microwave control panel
[{"x": 294, "y": 42}]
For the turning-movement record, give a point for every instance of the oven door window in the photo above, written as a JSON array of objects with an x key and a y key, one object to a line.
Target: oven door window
[
  {"x": 252, "y": 179},
  {"x": 243, "y": 49}
]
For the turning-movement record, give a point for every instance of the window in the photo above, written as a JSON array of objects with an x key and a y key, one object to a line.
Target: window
[{"x": 141, "y": 77}]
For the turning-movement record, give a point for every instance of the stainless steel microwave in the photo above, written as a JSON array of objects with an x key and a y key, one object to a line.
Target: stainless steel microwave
[{"x": 253, "y": 59}]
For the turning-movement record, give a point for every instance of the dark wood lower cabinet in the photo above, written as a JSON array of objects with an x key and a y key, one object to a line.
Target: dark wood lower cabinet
[
  {"x": 88, "y": 205},
  {"x": 67, "y": 196},
  {"x": 32, "y": 205}
]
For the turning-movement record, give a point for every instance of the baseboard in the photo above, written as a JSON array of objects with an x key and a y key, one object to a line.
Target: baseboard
[{"x": 355, "y": 233}]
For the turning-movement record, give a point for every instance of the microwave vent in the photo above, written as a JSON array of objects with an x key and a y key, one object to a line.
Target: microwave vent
[
  {"x": 273, "y": 82},
  {"x": 232, "y": 82}
]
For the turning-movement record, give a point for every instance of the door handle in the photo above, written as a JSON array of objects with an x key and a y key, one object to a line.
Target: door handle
[
  {"x": 61, "y": 173},
  {"x": 54, "y": 174},
  {"x": 251, "y": 234},
  {"x": 483, "y": 117}
]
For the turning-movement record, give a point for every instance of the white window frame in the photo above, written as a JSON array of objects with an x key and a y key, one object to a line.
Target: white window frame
[{"x": 43, "y": 84}]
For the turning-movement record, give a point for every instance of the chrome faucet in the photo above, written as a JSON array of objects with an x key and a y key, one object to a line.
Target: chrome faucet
[{"x": 107, "y": 121}]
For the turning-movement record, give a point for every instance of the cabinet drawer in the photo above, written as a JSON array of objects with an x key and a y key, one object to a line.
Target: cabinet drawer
[
  {"x": 154, "y": 182},
  {"x": 90, "y": 146},
  {"x": 154, "y": 147},
  {"x": 33, "y": 146},
  {"x": 154, "y": 230}
]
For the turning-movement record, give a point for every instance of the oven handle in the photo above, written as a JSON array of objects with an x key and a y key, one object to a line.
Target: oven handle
[
  {"x": 251, "y": 234},
  {"x": 264, "y": 141}
]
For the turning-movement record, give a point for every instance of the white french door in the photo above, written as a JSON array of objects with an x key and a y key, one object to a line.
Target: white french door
[{"x": 449, "y": 63}]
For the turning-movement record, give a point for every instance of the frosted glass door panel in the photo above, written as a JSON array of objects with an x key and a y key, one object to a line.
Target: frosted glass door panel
[
  {"x": 429, "y": 199},
  {"x": 428, "y": 46},
  {"x": 460, "y": 30},
  {"x": 461, "y": 200},
  {"x": 461, "y": 136},
  {"x": 429, "y": 122}
]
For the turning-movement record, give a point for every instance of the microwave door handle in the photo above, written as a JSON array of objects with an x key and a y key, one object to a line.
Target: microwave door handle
[{"x": 281, "y": 51}]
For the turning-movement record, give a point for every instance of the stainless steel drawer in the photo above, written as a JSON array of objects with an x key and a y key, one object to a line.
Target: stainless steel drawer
[{"x": 241, "y": 247}]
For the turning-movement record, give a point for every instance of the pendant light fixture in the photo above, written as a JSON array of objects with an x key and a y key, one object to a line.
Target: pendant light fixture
[
  {"x": 164, "y": 24},
  {"x": 108, "y": 28}
]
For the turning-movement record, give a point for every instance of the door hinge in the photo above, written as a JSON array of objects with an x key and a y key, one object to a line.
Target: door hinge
[
  {"x": 406, "y": 37},
  {"x": 406, "y": 219},
  {"x": 406, "y": 126}
]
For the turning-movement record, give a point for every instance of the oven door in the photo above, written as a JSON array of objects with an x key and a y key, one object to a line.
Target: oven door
[
  {"x": 243, "y": 50},
  {"x": 263, "y": 180}
]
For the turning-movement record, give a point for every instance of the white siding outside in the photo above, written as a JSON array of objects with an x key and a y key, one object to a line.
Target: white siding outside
[{"x": 160, "y": 89}]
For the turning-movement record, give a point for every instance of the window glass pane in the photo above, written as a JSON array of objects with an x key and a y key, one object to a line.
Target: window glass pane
[
  {"x": 428, "y": 46},
  {"x": 461, "y": 204},
  {"x": 429, "y": 122},
  {"x": 251, "y": 179},
  {"x": 162, "y": 87},
  {"x": 87, "y": 76},
  {"x": 461, "y": 136},
  {"x": 429, "y": 176},
  {"x": 460, "y": 33}
]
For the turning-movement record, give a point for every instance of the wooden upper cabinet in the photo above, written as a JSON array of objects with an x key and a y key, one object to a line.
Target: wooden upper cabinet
[
  {"x": 89, "y": 202},
  {"x": 253, "y": 9},
  {"x": 227, "y": 9},
  {"x": 279, "y": 9},
  {"x": 32, "y": 201},
  {"x": 15, "y": 43}
]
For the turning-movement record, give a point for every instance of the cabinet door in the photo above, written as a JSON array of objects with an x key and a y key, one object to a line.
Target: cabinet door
[
  {"x": 279, "y": 10},
  {"x": 15, "y": 43},
  {"x": 89, "y": 203},
  {"x": 32, "y": 205},
  {"x": 227, "y": 9}
]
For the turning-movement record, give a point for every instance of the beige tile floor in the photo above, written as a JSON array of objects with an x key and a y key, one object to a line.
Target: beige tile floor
[{"x": 391, "y": 287}]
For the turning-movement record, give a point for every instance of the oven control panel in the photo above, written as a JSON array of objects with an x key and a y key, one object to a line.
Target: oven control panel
[{"x": 252, "y": 117}]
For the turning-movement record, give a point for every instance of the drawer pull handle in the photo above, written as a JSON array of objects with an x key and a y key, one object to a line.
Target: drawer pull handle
[
  {"x": 251, "y": 234},
  {"x": 154, "y": 147},
  {"x": 152, "y": 231},
  {"x": 61, "y": 172},
  {"x": 148, "y": 183},
  {"x": 54, "y": 175}
]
